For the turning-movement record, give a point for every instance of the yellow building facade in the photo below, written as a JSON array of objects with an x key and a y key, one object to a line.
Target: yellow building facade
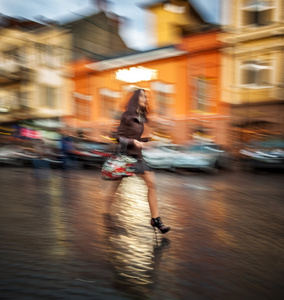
[
  {"x": 34, "y": 80},
  {"x": 171, "y": 19},
  {"x": 252, "y": 67}
]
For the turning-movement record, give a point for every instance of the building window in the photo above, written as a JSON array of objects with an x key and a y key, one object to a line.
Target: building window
[
  {"x": 109, "y": 102},
  {"x": 10, "y": 61},
  {"x": 108, "y": 107},
  {"x": 24, "y": 100},
  {"x": 204, "y": 93},
  {"x": 49, "y": 97},
  {"x": 164, "y": 100},
  {"x": 5, "y": 104},
  {"x": 258, "y": 13},
  {"x": 82, "y": 109},
  {"x": 41, "y": 53},
  {"x": 14, "y": 100},
  {"x": 164, "y": 97},
  {"x": 255, "y": 74},
  {"x": 174, "y": 8},
  {"x": 49, "y": 55},
  {"x": 82, "y": 106}
]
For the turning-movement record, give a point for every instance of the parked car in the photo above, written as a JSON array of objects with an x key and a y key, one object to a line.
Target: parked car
[
  {"x": 8, "y": 155},
  {"x": 202, "y": 156},
  {"x": 54, "y": 157},
  {"x": 160, "y": 156},
  {"x": 90, "y": 154},
  {"x": 25, "y": 156},
  {"x": 268, "y": 154}
]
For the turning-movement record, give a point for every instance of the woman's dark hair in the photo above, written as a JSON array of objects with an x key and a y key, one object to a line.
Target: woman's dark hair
[{"x": 133, "y": 103}]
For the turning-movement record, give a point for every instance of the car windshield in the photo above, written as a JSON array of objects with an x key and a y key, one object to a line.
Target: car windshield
[
  {"x": 273, "y": 143},
  {"x": 171, "y": 147},
  {"x": 202, "y": 148},
  {"x": 92, "y": 146}
]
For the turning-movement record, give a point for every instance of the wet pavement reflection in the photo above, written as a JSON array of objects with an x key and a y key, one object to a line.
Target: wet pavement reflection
[{"x": 59, "y": 242}]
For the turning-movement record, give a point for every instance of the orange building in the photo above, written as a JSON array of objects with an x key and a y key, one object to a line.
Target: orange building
[
  {"x": 207, "y": 116},
  {"x": 183, "y": 86},
  {"x": 102, "y": 89}
]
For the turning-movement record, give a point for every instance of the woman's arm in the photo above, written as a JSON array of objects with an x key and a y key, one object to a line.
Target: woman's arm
[{"x": 122, "y": 130}]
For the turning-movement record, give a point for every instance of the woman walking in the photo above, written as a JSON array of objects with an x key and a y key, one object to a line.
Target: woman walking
[{"x": 129, "y": 135}]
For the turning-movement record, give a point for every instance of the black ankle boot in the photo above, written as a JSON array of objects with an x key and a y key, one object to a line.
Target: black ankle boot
[{"x": 157, "y": 223}]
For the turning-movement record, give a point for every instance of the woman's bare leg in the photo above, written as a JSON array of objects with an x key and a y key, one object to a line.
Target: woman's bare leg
[
  {"x": 149, "y": 179},
  {"x": 111, "y": 194}
]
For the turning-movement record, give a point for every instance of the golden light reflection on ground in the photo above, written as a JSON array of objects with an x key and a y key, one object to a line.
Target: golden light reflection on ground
[
  {"x": 57, "y": 215},
  {"x": 132, "y": 246}
]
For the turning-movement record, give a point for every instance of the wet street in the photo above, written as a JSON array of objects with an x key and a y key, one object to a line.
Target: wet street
[{"x": 226, "y": 240}]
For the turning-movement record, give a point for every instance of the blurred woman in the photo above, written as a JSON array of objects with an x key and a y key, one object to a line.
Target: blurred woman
[{"x": 129, "y": 135}]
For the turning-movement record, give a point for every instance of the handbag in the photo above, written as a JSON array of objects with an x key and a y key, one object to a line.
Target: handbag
[{"x": 118, "y": 165}]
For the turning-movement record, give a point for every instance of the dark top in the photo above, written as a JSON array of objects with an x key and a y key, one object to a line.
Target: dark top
[{"x": 131, "y": 128}]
